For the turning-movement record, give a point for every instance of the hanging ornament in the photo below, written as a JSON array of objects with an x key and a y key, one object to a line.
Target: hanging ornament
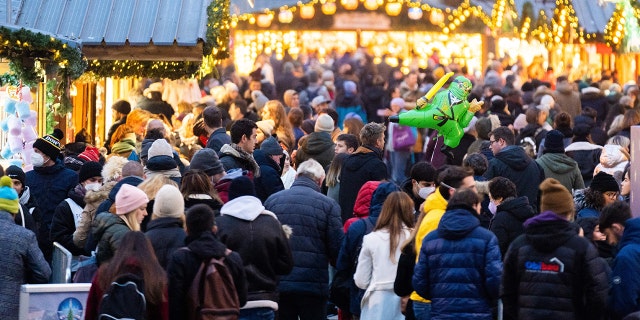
[
  {"x": 307, "y": 12},
  {"x": 415, "y": 13},
  {"x": 329, "y": 8}
]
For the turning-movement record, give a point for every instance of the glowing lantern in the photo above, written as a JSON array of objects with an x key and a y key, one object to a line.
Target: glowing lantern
[
  {"x": 329, "y": 8},
  {"x": 436, "y": 17},
  {"x": 371, "y": 4},
  {"x": 393, "y": 8},
  {"x": 264, "y": 20},
  {"x": 349, "y": 4},
  {"x": 307, "y": 12},
  {"x": 415, "y": 13},
  {"x": 285, "y": 16}
]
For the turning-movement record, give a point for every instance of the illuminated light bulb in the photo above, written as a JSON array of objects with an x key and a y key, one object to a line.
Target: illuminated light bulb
[
  {"x": 415, "y": 13},
  {"x": 371, "y": 4},
  {"x": 349, "y": 4},
  {"x": 329, "y": 8},
  {"x": 285, "y": 16},
  {"x": 264, "y": 20},
  {"x": 307, "y": 12},
  {"x": 393, "y": 8},
  {"x": 436, "y": 17}
]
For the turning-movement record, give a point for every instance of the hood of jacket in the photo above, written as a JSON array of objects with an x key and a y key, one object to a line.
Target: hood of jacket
[
  {"x": 631, "y": 232},
  {"x": 612, "y": 156},
  {"x": 457, "y": 222},
  {"x": 246, "y": 208},
  {"x": 565, "y": 88},
  {"x": 132, "y": 180},
  {"x": 514, "y": 157},
  {"x": 518, "y": 207},
  {"x": 363, "y": 199},
  {"x": 144, "y": 150},
  {"x": 378, "y": 197},
  {"x": 559, "y": 163},
  {"x": 262, "y": 159},
  {"x": 317, "y": 143},
  {"x": 206, "y": 245},
  {"x": 582, "y": 146},
  {"x": 363, "y": 154},
  {"x": 547, "y": 231}
]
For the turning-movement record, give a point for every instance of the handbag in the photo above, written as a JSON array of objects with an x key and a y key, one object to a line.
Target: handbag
[{"x": 403, "y": 137}]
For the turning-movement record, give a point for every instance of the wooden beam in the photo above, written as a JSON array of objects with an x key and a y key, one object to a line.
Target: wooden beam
[{"x": 144, "y": 53}]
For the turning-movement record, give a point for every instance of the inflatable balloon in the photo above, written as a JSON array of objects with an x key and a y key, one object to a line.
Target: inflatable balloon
[
  {"x": 26, "y": 95},
  {"x": 29, "y": 134},
  {"x": 4, "y": 125},
  {"x": 16, "y": 162},
  {"x": 15, "y": 125},
  {"x": 32, "y": 120},
  {"x": 449, "y": 112},
  {"x": 6, "y": 152},
  {"x": 15, "y": 144},
  {"x": 23, "y": 110},
  {"x": 10, "y": 106}
]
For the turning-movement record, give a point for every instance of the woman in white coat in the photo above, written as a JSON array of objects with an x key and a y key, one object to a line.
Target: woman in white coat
[{"x": 378, "y": 259}]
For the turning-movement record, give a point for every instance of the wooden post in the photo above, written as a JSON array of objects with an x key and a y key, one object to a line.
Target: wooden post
[{"x": 634, "y": 173}]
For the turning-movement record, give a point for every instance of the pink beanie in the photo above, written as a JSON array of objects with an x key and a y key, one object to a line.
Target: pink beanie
[{"x": 129, "y": 198}]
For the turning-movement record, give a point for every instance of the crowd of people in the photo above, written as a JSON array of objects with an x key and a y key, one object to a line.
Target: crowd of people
[{"x": 293, "y": 182}]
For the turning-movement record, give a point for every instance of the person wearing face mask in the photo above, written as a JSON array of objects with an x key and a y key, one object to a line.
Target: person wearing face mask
[
  {"x": 68, "y": 213},
  {"x": 509, "y": 211},
  {"x": 420, "y": 184},
  {"x": 51, "y": 181}
]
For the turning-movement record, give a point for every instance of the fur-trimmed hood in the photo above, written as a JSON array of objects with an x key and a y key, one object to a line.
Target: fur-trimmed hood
[{"x": 96, "y": 197}]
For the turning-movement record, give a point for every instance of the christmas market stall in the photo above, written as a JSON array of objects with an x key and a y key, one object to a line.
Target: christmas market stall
[
  {"x": 125, "y": 41},
  {"x": 622, "y": 35}
]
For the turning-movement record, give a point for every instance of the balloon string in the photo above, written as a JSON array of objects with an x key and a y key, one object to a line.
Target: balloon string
[
  {"x": 20, "y": 91},
  {"x": 433, "y": 152}
]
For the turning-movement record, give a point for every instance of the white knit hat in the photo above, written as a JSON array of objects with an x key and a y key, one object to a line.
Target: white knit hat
[
  {"x": 324, "y": 123},
  {"x": 168, "y": 203},
  {"x": 160, "y": 147}
]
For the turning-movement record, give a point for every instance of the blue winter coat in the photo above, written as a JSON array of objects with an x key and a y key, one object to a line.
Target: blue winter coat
[
  {"x": 353, "y": 240},
  {"x": 459, "y": 267},
  {"x": 316, "y": 238},
  {"x": 625, "y": 287},
  {"x": 269, "y": 181}
]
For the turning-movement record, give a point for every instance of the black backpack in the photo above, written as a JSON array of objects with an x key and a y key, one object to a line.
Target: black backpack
[{"x": 124, "y": 300}]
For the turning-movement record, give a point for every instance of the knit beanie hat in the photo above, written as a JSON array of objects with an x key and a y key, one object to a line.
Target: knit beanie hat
[
  {"x": 266, "y": 126},
  {"x": 168, "y": 202},
  {"x": 556, "y": 198},
  {"x": 8, "y": 196},
  {"x": 90, "y": 153},
  {"x": 15, "y": 172},
  {"x": 50, "y": 144},
  {"x": 206, "y": 160},
  {"x": 554, "y": 142},
  {"x": 271, "y": 146},
  {"x": 89, "y": 170},
  {"x": 160, "y": 147},
  {"x": 129, "y": 198},
  {"x": 241, "y": 186},
  {"x": 604, "y": 182},
  {"x": 324, "y": 123}
]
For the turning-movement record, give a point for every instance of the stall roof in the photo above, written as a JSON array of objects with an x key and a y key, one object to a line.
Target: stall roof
[
  {"x": 161, "y": 29},
  {"x": 4, "y": 7},
  {"x": 592, "y": 15}
]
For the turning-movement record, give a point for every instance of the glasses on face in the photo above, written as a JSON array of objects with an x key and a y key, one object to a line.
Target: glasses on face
[{"x": 493, "y": 141}]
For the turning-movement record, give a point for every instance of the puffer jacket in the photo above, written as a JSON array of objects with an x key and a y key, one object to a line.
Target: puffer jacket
[
  {"x": 269, "y": 181},
  {"x": 587, "y": 156},
  {"x": 612, "y": 161},
  {"x": 562, "y": 168},
  {"x": 363, "y": 165},
  {"x": 592, "y": 97},
  {"x": 459, "y": 267},
  {"x": 92, "y": 200},
  {"x": 317, "y": 146},
  {"x": 256, "y": 234},
  {"x": 316, "y": 238},
  {"x": 514, "y": 164},
  {"x": 363, "y": 203},
  {"x": 353, "y": 240},
  {"x": 625, "y": 290},
  {"x": 108, "y": 229},
  {"x": 507, "y": 222},
  {"x": 166, "y": 236},
  {"x": 551, "y": 272}
]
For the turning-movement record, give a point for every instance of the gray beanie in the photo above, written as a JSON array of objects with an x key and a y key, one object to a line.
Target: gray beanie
[
  {"x": 168, "y": 202},
  {"x": 271, "y": 146},
  {"x": 206, "y": 160}
]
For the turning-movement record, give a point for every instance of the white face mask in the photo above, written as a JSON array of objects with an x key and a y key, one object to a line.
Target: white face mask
[
  {"x": 492, "y": 207},
  {"x": 426, "y": 191},
  {"x": 93, "y": 186},
  {"x": 37, "y": 160}
]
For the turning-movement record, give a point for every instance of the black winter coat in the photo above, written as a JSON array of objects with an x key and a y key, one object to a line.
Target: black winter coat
[
  {"x": 166, "y": 236},
  {"x": 362, "y": 166},
  {"x": 551, "y": 272},
  {"x": 269, "y": 181},
  {"x": 508, "y": 220},
  {"x": 514, "y": 164},
  {"x": 184, "y": 264},
  {"x": 317, "y": 146},
  {"x": 63, "y": 225}
]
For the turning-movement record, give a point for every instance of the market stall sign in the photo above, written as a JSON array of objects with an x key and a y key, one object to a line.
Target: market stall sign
[{"x": 361, "y": 20}]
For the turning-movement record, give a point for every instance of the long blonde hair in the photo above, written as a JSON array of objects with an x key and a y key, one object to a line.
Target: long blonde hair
[
  {"x": 282, "y": 125},
  {"x": 151, "y": 185},
  {"x": 396, "y": 214}
]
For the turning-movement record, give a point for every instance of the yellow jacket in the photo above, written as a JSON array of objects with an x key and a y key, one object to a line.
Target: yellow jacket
[{"x": 434, "y": 206}]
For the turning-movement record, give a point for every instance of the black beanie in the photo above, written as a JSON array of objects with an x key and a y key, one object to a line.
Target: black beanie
[
  {"x": 604, "y": 182},
  {"x": 14, "y": 172},
  {"x": 206, "y": 160},
  {"x": 50, "y": 144},
  {"x": 89, "y": 170},
  {"x": 241, "y": 186},
  {"x": 554, "y": 142}
]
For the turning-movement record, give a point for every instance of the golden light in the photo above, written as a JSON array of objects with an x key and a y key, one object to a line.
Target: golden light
[
  {"x": 307, "y": 12},
  {"x": 329, "y": 8},
  {"x": 415, "y": 13},
  {"x": 371, "y": 4},
  {"x": 436, "y": 17},
  {"x": 285, "y": 16},
  {"x": 264, "y": 20},
  {"x": 349, "y": 4},
  {"x": 393, "y": 8}
]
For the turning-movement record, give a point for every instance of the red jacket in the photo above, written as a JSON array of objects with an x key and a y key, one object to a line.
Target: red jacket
[{"x": 363, "y": 202}]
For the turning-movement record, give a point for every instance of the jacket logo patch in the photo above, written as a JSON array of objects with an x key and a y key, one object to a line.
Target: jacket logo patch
[{"x": 553, "y": 266}]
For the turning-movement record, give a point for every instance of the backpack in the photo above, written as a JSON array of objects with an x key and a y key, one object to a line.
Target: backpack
[
  {"x": 212, "y": 294},
  {"x": 124, "y": 299}
]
